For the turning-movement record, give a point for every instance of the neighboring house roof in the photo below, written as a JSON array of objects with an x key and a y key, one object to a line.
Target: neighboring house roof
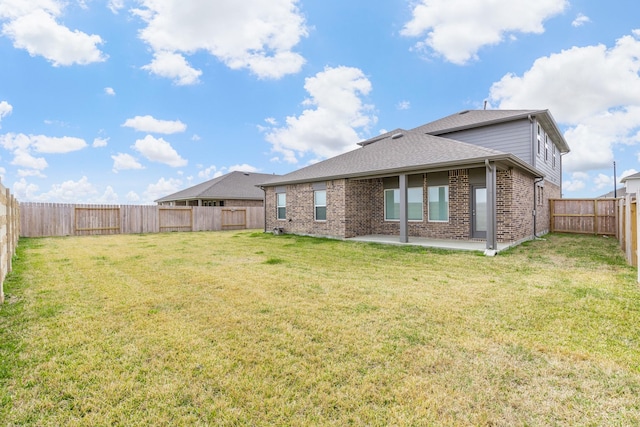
[
  {"x": 469, "y": 119},
  {"x": 234, "y": 185},
  {"x": 620, "y": 192},
  {"x": 634, "y": 176},
  {"x": 396, "y": 152}
]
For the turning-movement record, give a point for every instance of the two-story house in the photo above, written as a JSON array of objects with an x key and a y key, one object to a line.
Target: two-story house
[{"x": 479, "y": 174}]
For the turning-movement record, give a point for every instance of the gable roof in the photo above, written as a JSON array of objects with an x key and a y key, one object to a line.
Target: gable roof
[
  {"x": 396, "y": 152},
  {"x": 469, "y": 119},
  {"x": 234, "y": 185},
  {"x": 634, "y": 176}
]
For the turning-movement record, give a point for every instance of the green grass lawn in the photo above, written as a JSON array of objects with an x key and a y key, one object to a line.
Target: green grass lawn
[{"x": 246, "y": 328}]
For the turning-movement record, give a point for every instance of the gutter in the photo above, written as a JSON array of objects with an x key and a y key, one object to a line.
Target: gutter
[
  {"x": 535, "y": 213},
  {"x": 264, "y": 207}
]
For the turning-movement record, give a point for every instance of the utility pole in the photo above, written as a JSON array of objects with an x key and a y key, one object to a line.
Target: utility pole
[{"x": 615, "y": 185}]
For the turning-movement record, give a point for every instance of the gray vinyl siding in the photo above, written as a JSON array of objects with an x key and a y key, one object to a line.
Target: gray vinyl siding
[
  {"x": 551, "y": 173},
  {"x": 511, "y": 137}
]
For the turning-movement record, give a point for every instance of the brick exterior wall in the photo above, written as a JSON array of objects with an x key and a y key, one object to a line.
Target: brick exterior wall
[
  {"x": 543, "y": 211},
  {"x": 300, "y": 210},
  {"x": 356, "y": 208}
]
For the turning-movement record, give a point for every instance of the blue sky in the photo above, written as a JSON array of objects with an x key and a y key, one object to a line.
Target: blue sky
[{"x": 127, "y": 101}]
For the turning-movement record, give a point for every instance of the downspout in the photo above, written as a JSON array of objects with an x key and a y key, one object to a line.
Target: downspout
[
  {"x": 535, "y": 214},
  {"x": 264, "y": 207}
]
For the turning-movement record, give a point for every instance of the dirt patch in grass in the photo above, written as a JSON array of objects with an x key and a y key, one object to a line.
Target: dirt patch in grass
[{"x": 246, "y": 328}]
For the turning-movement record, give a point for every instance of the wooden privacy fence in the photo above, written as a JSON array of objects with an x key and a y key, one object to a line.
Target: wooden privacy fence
[
  {"x": 613, "y": 217},
  {"x": 587, "y": 216},
  {"x": 9, "y": 233},
  {"x": 55, "y": 219}
]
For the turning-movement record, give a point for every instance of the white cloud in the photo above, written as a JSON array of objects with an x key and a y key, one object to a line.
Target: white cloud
[
  {"x": 576, "y": 183},
  {"x": 162, "y": 188},
  {"x": 331, "y": 127},
  {"x": 458, "y": 29},
  {"x": 115, "y": 6},
  {"x": 69, "y": 191},
  {"x": 100, "y": 142},
  {"x": 110, "y": 91},
  {"x": 33, "y": 26},
  {"x": 22, "y": 146},
  {"x": 108, "y": 197},
  {"x": 159, "y": 150},
  {"x": 213, "y": 172},
  {"x": 593, "y": 90},
  {"x": 123, "y": 161},
  {"x": 49, "y": 144},
  {"x": 132, "y": 197},
  {"x": 5, "y": 109},
  {"x": 30, "y": 172},
  {"x": 580, "y": 20},
  {"x": 403, "y": 105},
  {"x": 152, "y": 125},
  {"x": 24, "y": 191},
  {"x": 173, "y": 66},
  {"x": 603, "y": 181},
  {"x": 627, "y": 173},
  {"x": 209, "y": 173},
  {"x": 243, "y": 168},
  {"x": 259, "y": 36},
  {"x": 25, "y": 159}
]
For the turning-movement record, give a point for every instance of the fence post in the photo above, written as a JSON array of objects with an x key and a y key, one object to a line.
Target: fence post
[{"x": 627, "y": 228}]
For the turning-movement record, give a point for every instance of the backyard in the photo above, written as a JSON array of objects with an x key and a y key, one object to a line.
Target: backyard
[{"x": 247, "y": 328}]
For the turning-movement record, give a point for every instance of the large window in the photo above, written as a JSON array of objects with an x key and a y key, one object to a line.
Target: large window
[
  {"x": 392, "y": 204},
  {"x": 281, "y": 203},
  {"x": 320, "y": 205},
  {"x": 438, "y": 203}
]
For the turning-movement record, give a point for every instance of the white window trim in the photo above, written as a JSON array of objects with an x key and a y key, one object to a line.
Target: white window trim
[
  {"x": 278, "y": 206},
  {"x": 316, "y": 206}
]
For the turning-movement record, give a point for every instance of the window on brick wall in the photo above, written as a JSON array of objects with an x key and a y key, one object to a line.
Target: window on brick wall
[
  {"x": 320, "y": 205},
  {"x": 281, "y": 205},
  {"x": 392, "y": 204},
  {"x": 438, "y": 203}
]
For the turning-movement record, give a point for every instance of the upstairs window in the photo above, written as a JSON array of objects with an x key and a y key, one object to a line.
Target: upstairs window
[
  {"x": 546, "y": 148},
  {"x": 554, "y": 156}
]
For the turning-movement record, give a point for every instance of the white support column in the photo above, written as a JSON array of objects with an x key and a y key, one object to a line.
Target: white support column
[{"x": 404, "y": 220}]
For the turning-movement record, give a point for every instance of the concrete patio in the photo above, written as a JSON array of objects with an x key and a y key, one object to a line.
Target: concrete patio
[{"x": 463, "y": 245}]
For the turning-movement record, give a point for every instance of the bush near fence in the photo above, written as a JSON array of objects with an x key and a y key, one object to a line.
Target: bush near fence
[
  {"x": 56, "y": 219},
  {"x": 9, "y": 233}
]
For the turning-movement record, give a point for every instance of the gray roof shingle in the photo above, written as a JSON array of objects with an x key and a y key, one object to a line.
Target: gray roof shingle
[
  {"x": 396, "y": 152},
  {"x": 234, "y": 185}
]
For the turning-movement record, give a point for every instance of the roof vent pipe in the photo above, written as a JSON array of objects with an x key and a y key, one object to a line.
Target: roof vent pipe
[{"x": 397, "y": 135}]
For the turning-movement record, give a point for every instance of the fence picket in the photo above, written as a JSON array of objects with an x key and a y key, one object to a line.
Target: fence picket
[{"x": 58, "y": 219}]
